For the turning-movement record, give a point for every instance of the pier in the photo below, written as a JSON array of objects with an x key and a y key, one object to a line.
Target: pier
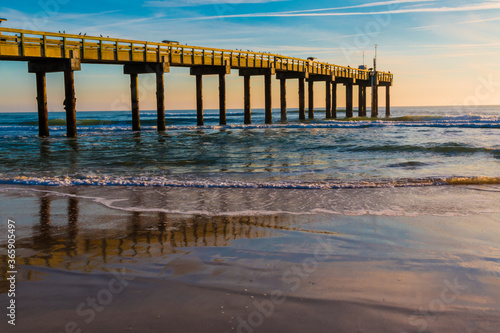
[{"x": 48, "y": 52}]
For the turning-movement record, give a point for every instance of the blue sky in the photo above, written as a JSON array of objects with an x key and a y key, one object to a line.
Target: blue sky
[{"x": 441, "y": 52}]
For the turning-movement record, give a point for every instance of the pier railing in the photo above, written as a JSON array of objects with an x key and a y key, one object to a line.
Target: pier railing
[{"x": 16, "y": 44}]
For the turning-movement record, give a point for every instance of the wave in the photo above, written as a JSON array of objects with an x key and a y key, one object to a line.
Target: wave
[
  {"x": 468, "y": 121},
  {"x": 166, "y": 182}
]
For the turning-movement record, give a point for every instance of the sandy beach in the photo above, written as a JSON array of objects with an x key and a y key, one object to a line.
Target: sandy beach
[{"x": 94, "y": 259}]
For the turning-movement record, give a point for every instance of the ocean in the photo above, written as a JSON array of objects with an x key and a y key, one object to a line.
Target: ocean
[
  {"x": 321, "y": 225},
  {"x": 417, "y": 146}
]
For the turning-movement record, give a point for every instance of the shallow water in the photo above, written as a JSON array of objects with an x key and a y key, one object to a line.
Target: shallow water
[{"x": 418, "y": 146}]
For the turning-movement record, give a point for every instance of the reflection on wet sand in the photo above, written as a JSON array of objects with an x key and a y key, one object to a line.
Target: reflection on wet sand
[{"x": 144, "y": 235}]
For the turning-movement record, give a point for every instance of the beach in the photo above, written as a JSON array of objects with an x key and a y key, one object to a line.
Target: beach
[
  {"x": 367, "y": 225},
  {"x": 115, "y": 259}
]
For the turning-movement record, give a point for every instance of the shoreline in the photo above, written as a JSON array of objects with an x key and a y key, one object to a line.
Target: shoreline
[{"x": 249, "y": 266}]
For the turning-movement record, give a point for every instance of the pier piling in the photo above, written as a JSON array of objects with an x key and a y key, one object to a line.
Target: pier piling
[
  {"x": 134, "y": 95},
  {"x": 283, "y": 98},
  {"x": 374, "y": 111},
  {"x": 348, "y": 97},
  {"x": 387, "y": 101},
  {"x": 334, "y": 100},
  {"x": 311, "y": 99},
  {"x": 160, "y": 102},
  {"x": 268, "y": 99},
  {"x": 248, "y": 109},
  {"x": 199, "y": 100},
  {"x": 302, "y": 99},
  {"x": 328, "y": 99},
  {"x": 70, "y": 103},
  {"x": 43, "y": 118},
  {"x": 222, "y": 99}
]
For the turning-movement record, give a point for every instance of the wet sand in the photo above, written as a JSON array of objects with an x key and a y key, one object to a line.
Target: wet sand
[{"x": 170, "y": 260}]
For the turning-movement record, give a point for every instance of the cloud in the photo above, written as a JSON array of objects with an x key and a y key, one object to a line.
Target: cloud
[
  {"x": 479, "y": 7},
  {"x": 365, "y": 5},
  {"x": 191, "y": 3}
]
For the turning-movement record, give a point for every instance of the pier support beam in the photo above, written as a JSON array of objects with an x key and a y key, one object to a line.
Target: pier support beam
[
  {"x": 283, "y": 76},
  {"x": 283, "y": 99},
  {"x": 328, "y": 101},
  {"x": 268, "y": 99},
  {"x": 247, "y": 73},
  {"x": 160, "y": 102},
  {"x": 248, "y": 107},
  {"x": 134, "y": 94},
  {"x": 374, "y": 85},
  {"x": 67, "y": 66},
  {"x": 222, "y": 99},
  {"x": 158, "y": 68},
  {"x": 70, "y": 103},
  {"x": 302, "y": 99},
  {"x": 348, "y": 97},
  {"x": 374, "y": 111},
  {"x": 199, "y": 100},
  {"x": 221, "y": 71},
  {"x": 43, "y": 118},
  {"x": 311, "y": 99},
  {"x": 334, "y": 100},
  {"x": 387, "y": 101}
]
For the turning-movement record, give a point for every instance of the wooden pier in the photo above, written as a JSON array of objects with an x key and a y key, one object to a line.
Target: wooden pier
[{"x": 48, "y": 52}]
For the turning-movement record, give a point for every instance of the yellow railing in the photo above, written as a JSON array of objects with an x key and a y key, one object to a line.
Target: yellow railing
[{"x": 16, "y": 43}]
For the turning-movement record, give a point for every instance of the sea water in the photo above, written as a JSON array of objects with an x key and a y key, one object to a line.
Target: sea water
[{"x": 417, "y": 146}]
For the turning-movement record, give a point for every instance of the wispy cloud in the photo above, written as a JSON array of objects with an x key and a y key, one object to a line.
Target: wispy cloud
[
  {"x": 365, "y": 5},
  {"x": 478, "y": 7},
  {"x": 447, "y": 46},
  {"x": 191, "y": 3},
  {"x": 431, "y": 27}
]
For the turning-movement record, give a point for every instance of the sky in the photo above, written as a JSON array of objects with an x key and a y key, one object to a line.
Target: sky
[{"x": 441, "y": 52}]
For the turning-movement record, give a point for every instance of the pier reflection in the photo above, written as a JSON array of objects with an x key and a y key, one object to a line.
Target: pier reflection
[{"x": 68, "y": 237}]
